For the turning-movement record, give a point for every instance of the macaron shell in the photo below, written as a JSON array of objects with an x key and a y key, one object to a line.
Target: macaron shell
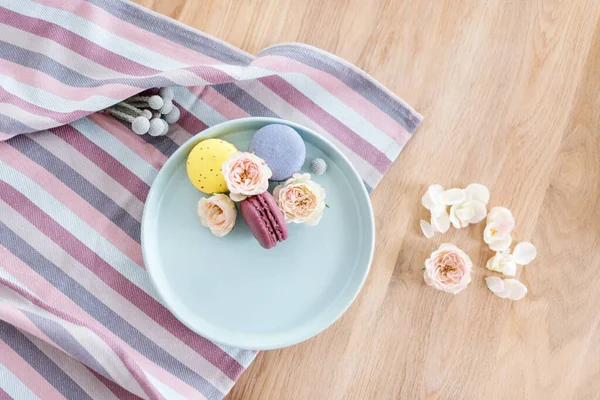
[
  {"x": 281, "y": 147},
  {"x": 264, "y": 219},
  {"x": 204, "y": 165}
]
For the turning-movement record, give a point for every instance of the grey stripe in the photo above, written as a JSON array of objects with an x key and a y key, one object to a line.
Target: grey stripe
[
  {"x": 90, "y": 193},
  {"x": 12, "y": 126},
  {"x": 103, "y": 314},
  {"x": 243, "y": 100},
  {"x": 64, "y": 339},
  {"x": 70, "y": 77},
  {"x": 40, "y": 362},
  {"x": 352, "y": 78},
  {"x": 167, "y": 28}
]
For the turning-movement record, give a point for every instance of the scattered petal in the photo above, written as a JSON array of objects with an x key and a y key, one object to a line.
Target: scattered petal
[
  {"x": 479, "y": 211},
  {"x": 515, "y": 289},
  {"x": 501, "y": 245},
  {"x": 435, "y": 191},
  {"x": 502, "y": 262},
  {"x": 478, "y": 192},
  {"x": 501, "y": 214},
  {"x": 524, "y": 253},
  {"x": 427, "y": 201},
  {"x": 495, "y": 284},
  {"x": 440, "y": 222},
  {"x": 427, "y": 229},
  {"x": 453, "y": 196}
]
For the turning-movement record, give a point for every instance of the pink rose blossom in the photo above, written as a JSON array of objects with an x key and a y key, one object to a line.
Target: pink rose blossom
[
  {"x": 300, "y": 200},
  {"x": 246, "y": 175},
  {"x": 448, "y": 269},
  {"x": 218, "y": 214}
]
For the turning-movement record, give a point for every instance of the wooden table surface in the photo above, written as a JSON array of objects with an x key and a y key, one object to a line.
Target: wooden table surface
[{"x": 510, "y": 92}]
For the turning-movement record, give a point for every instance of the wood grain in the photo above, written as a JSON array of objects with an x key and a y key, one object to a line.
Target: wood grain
[{"x": 510, "y": 91}]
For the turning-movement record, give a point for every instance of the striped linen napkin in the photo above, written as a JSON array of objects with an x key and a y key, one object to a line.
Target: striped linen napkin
[{"x": 78, "y": 316}]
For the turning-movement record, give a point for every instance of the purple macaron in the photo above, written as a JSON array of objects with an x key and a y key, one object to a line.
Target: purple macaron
[
  {"x": 281, "y": 147},
  {"x": 265, "y": 220}
]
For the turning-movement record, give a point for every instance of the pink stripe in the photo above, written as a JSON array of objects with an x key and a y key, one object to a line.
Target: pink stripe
[
  {"x": 189, "y": 122},
  {"x": 73, "y": 313},
  {"x": 63, "y": 118},
  {"x": 27, "y": 374},
  {"x": 115, "y": 280},
  {"x": 221, "y": 104},
  {"x": 344, "y": 134},
  {"x": 145, "y": 150},
  {"x": 4, "y": 395},
  {"x": 74, "y": 42},
  {"x": 5, "y": 136},
  {"x": 38, "y": 79},
  {"x": 104, "y": 161},
  {"x": 74, "y": 202},
  {"x": 131, "y": 32},
  {"x": 342, "y": 91}
]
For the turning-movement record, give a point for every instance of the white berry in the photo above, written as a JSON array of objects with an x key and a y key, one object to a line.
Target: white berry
[
  {"x": 166, "y": 93},
  {"x": 140, "y": 125},
  {"x": 156, "y": 127},
  {"x": 172, "y": 116},
  {"x": 155, "y": 102},
  {"x": 318, "y": 166},
  {"x": 167, "y": 107}
]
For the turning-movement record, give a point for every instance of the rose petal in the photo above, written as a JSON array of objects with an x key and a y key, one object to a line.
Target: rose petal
[
  {"x": 509, "y": 268},
  {"x": 450, "y": 246},
  {"x": 502, "y": 244},
  {"x": 427, "y": 201},
  {"x": 440, "y": 222},
  {"x": 435, "y": 191},
  {"x": 524, "y": 253},
  {"x": 495, "y": 284},
  {"x": 515, "y": 289},
  {"x": 479, "y": 211},
  {"x": 454, "y": 217},
  {"x": 501, "y": 214},
  {"x": 478, "y": 192},
  {"x": 427, "y": 229},
  {"x": 453, "y": 196}
]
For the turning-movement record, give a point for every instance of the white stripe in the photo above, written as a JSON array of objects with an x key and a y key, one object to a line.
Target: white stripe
[
  {"x": 242, "y": 73},
  {"x": 91, "y": 172},
  {"x": 282, "y": 108},
  {"x": 94, "y": 33},
  {"x": 50, "y": 101},
  {"x": 343, "y": 113},
  {"x": 107, "y": 142},
  {"x": 197, "y": 107},
  {"x": 71, "y": 222},
  {"x": 14, "y": 387},
  {"x": 57, "y": 52},
  {"x": 120, "y": 305},
  {"x": 167, "y": 391},
  {"x": 34, "y": 121}
]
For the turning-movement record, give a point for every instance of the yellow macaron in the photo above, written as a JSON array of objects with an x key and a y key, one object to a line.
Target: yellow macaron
[{"x": 204, "y": 165}]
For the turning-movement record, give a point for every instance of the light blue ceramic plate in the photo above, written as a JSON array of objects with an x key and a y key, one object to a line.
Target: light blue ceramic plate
[{"x": 231, "y": 290}]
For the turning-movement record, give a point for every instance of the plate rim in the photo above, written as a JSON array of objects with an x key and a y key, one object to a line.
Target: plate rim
[{"x": 210, "y": 132}]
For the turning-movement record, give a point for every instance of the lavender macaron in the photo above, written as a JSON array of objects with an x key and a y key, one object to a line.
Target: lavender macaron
[{"x": 281, "y": 147}]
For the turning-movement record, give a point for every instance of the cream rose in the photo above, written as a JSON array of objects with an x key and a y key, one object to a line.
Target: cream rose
[
  {"x": 448, "y": 269},
  {"x": 218, "y": 214},
  {"x": 246, "y": 175},
  {"x": 301, "y": 200}
]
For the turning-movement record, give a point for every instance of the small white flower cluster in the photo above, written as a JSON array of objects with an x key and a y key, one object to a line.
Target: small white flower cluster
[{"x": 461, "y": 207}]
